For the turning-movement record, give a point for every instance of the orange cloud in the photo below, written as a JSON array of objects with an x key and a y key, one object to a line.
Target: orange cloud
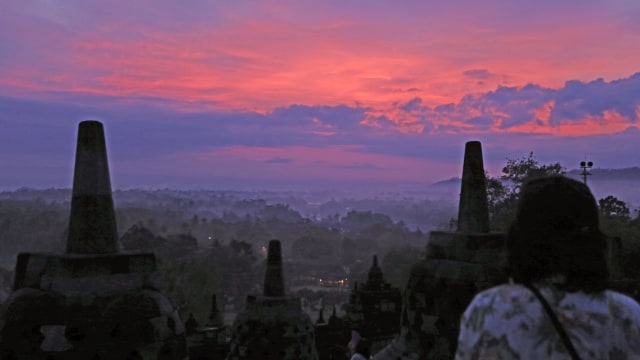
[{"x": 609, "y": 123}]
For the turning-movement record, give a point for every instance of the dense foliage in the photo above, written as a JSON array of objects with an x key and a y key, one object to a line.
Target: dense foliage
[{"x": 502, "y": 192}]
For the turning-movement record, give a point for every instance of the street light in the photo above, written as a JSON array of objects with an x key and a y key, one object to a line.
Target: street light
[{"x": 585, "y": 165}]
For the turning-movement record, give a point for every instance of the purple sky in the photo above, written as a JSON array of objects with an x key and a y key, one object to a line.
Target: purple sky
[{"x": 225, "y": 93}]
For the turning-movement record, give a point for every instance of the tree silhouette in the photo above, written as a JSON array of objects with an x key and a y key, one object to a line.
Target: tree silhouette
[
  {"x": 612, "y": 207},
  {"x": 503, "y": 192}
]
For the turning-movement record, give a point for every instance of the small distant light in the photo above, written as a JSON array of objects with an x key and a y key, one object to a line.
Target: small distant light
[
  {"x": 582, "y": 163},
  {"x": 590, "y": 164}
]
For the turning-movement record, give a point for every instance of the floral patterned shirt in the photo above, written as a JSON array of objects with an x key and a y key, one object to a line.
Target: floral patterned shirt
[{"x": 508, "y": 322}]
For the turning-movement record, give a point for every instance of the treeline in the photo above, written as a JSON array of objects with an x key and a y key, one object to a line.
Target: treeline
[
  {"x": 421, "y": 211},
  {"x": 200, "y": 254}
]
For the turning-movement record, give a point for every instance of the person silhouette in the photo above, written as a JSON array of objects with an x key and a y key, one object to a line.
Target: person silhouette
[{"x": 557, "y": 304}]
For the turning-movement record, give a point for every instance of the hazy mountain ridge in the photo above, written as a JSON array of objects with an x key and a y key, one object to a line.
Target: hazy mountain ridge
[
  {"x": 598, "y": 174},
  {"x": 622, "y": 183},
  {"x": 630, "y": 173}
]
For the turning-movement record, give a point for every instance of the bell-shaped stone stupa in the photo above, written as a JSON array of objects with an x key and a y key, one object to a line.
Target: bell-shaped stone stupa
[
  {"x": 457, "y": 265},
  {"x": 273, "y": 325},
  {"x": 92, "y": 301}
]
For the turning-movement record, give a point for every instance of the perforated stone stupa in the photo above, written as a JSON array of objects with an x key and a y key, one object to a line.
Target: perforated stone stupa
[
  {"x": 273, "y": 325},
  {"x": 91, "y": 302},
  {"x": 457, "y": 266}
]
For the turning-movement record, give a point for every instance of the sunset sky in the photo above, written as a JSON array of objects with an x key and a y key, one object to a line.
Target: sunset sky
[{"x": 215, "y": 93}]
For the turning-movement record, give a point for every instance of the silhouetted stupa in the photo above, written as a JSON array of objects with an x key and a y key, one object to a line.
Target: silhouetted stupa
[
  {"x": 90, "y": 302},
  {"x": 332, "y": 337},
  {"x": 321, "y": 320},
  {"x": 273, "y": 326},
  {"x": 374, "y": 308},
  {"x": 215, "y": 317},
  {"x": 457, "y": 266}
]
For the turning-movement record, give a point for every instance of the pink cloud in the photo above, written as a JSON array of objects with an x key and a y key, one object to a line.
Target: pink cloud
[
  {"x": 258, "y": 56},
  {"x": 416, "y": 69}
]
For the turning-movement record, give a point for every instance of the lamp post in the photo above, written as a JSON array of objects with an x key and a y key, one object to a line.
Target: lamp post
[{"x": 585, "y": 165}]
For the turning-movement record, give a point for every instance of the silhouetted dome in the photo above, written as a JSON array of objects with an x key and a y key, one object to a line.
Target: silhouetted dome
[
  {"x": 320, "y": 316},
  {"x": 273, "y": 325},
  {"x": 376, "y": 278}
]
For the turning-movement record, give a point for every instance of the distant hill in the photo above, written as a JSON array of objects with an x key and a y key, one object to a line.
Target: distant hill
[
  {"x": 622, "y": 183},
  {"x": 627, "y": 174},
  {"x": 448, "y": 182}
]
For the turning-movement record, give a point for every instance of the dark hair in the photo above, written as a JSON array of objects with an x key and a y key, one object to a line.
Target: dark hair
[
  {"x": 556, "y": 232},
  {"x": 363, "y": 347}
]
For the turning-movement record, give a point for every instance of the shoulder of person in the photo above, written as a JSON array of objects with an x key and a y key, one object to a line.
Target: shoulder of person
[
  {"x": 623, "y": 305},
  {"x": 503, "y": 294},
  {"x": 497, "y": 304},
  {"x": 358, "y": 357}
]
